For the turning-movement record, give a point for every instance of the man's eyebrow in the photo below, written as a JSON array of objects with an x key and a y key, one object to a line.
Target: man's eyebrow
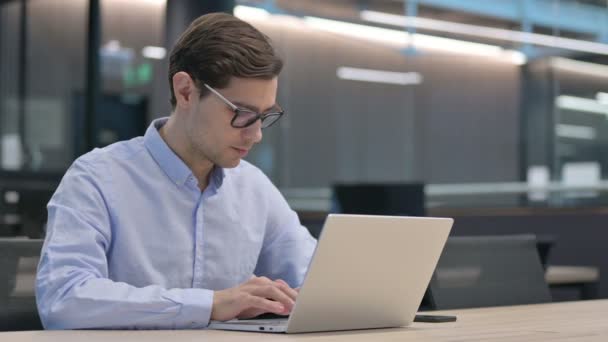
[{"x": 254, "y": 108}]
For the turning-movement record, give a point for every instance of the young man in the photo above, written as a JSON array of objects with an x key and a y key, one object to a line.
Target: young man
[{"x": 173, "y": 229}]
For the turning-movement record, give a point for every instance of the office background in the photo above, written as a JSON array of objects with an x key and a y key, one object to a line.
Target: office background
[
  {"x": 497, "y": 112},
  {"x": 496, "y": 108}
]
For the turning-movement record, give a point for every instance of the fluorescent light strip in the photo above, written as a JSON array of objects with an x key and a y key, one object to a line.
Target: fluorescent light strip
[
  {"x": 396, "y": 38},
  {"x": 154, "y": 52},
  {"x": 575, "y": 132},
  {"x": 581, "y": 104},
  {"x": 460, "y": 46},
  {"x": 592, "y": 69},
  {"x": 247, "y": 12},
  {"x": 602, "y": 98},
  {"x": 388, "y": 36},
  {"x": 485, "y": 32},
  {"x": 433, "y": 42},
  {"x": 111, "y": 46},
  {"x": 403, "y": 39},
  {"x": 378, "y": 76}
]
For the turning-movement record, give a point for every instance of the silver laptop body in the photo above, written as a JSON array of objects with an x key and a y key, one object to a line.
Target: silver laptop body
[{"x": 367, "y": 272}]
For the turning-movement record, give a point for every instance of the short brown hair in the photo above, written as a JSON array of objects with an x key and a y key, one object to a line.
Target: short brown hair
[{"x": 218, "y": 46}]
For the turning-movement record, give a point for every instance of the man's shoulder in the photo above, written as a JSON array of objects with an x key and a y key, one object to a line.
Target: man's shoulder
[{"x": 122, "y": 150}]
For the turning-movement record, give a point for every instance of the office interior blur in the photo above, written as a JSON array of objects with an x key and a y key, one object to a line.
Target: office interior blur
[{"x": 490, "y": 112}]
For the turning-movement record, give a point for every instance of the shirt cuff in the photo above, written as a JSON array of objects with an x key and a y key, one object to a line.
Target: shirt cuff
[{"x": 196, "y": 305}]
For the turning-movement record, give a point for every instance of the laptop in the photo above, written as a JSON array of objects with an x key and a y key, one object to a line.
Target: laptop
[{"x": 367, "y": 272}]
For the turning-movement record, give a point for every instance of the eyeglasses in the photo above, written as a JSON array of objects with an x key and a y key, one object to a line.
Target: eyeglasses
[{"x": 245, "y": 117}]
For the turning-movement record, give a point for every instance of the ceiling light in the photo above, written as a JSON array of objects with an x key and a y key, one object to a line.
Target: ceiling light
[
  {"x": 581, "y": 104},
  {"x": 602, "y": 98},
  {"x": 154, "y": 52},
  {"x": 393, "y": 37},
  {"x": 378, "y": 76},
  {"x": 575, "y": 132},
  {"x": 591, "y": 69},
  {"x": 403, "y": 39},
  {"x": 485, "y": 32},
  {"x": 247, "y": 12},
  {"x": 397, "y": 38}
]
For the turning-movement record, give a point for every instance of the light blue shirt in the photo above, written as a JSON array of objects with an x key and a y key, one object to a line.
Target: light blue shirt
[{"x": 132, "y": 242}]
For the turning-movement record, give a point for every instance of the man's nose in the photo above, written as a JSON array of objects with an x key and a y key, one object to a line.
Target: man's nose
[{"x": 253, "y": 133}]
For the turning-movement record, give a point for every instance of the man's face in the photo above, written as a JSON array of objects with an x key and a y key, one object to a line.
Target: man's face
[{"x": 208, "y": 128}]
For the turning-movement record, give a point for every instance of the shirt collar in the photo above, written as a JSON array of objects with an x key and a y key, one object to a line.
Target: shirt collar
[{"x": 171, "y": 164}]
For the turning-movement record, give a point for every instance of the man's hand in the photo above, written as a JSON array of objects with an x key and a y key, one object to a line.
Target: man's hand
[{"x": 256, "y": 296}]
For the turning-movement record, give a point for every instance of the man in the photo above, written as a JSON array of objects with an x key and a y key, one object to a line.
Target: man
[{"x": 173, "y": 229}]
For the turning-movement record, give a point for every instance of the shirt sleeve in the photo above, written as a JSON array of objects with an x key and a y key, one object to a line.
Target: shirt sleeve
[
  {"x": 73, "y": 289},
  {"x": 288, "y": 246}
]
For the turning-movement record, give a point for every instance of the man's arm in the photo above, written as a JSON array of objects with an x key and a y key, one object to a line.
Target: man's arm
[
  {"x": 288, "y": 246},
  {"x": 73, "y": 290},
  {"x": 72, "y": 287}
]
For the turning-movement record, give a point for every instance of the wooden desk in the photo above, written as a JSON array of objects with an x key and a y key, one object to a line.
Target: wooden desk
[{"x": 567, "y": 321}]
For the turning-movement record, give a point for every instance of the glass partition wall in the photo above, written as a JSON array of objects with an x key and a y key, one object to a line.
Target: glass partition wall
[{"x": 481, "y": 122}]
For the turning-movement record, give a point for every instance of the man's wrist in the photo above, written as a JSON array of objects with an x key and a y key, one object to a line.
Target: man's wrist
[{"x": 196, "y": 306}]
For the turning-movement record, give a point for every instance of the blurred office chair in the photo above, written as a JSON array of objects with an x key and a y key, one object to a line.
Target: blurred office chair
[
  {"x": 23, "y": 198},
  {"x": 480, "y": 271},
  {"x": 544, "y": 245},
  {"x": 18, "y": 263}
]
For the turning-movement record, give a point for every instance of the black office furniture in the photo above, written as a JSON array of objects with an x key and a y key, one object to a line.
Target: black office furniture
[
  {"x": 480, "y": 271},
  {"x": 397, "y": 199},
  {"x": 18, "y": 261}
]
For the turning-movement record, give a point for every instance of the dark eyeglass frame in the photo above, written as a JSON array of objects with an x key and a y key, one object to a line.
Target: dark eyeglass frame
[{"x": 268, "y": 119}]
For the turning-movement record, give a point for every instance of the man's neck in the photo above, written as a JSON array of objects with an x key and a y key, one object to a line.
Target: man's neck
[{"x": 201, "y": 169}]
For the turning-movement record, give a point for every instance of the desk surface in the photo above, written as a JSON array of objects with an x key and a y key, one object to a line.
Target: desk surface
[{"x": 567, "y": 321}]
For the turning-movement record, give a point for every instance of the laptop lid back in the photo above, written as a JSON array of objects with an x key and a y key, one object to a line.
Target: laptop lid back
[{"x": 368, "y": 272}]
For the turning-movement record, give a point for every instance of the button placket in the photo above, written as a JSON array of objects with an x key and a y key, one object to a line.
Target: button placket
[{"x": 198, "y": 263}]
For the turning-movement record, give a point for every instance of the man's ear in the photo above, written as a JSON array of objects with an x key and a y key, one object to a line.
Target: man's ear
[{"x": 184, "y": 89}]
